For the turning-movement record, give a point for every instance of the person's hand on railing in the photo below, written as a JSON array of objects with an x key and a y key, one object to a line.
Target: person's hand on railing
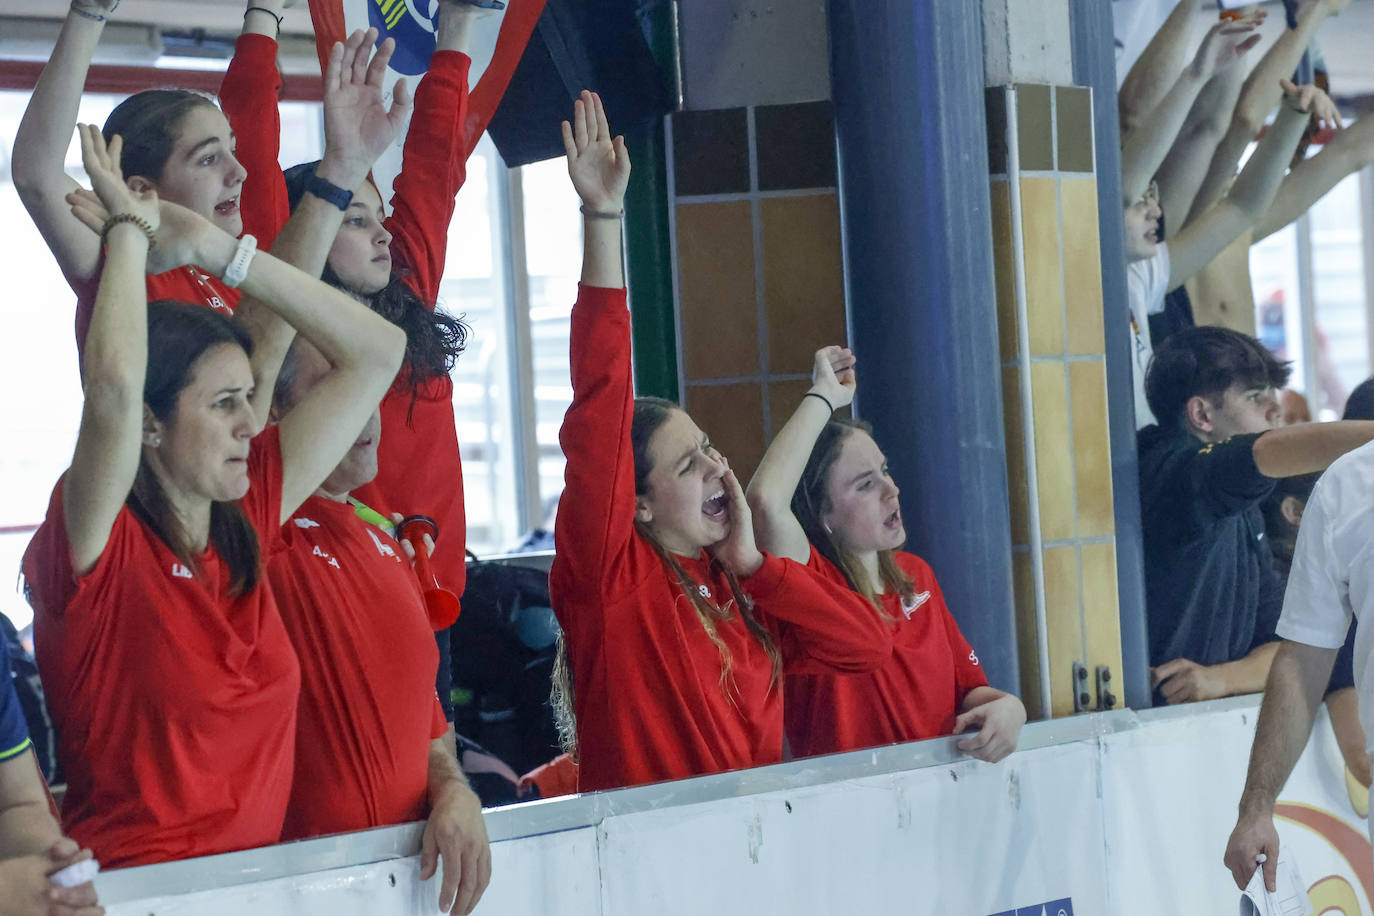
[
  {"x": 26, "y": 890},
  {"x": 999, "y": 724},
  {"x": 1185, "y": 681},
  {"x": 456, "y": 832}
]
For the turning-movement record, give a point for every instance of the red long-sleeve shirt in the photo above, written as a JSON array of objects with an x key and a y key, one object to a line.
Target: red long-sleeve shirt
[
  {"x": 649, "y": 698},
  {"x": 419, "y": 468},
  {"x": 916, "y": 694},
  {"x": 352, "y": 607},
  {"x": 175, "y": 701},
  {"x": 248, "y": 97}
]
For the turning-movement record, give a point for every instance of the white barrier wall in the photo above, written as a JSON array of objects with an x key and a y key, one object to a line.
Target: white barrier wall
[{"x": 1110, "y": 813}]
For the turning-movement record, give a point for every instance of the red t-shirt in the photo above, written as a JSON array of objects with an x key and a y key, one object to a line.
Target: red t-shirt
[
  {"x": 419, "y": 468},
  {"x": 248, "y": 97},
  {"x": 368, "y": 711},
  {"x": 649, "y": 698},
  {"x": 916, "y": 694},
  {"x": 175, "y": 702}
]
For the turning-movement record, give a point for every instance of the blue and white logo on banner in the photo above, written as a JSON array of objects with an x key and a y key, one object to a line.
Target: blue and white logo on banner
[{"x": 411, "y": 23}]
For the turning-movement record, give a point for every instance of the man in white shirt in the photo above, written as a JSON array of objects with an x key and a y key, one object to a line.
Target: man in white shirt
[{"x": 1332, "y": 578}]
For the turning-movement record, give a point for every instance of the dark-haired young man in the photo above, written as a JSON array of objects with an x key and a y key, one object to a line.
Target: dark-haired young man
[{"x": 1212, "y": 593}]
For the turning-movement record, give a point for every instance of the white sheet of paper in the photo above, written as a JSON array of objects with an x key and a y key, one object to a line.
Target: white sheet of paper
[{"x": 1289, "y": 900}]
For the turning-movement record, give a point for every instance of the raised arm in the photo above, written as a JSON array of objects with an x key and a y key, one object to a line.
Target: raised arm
[
  {"x": 110, "y": 439},
  {"x": 1204, "y": 238},
  {"x": 40, "y": 146},
  {"x": 599, "y": 167},
  {"x": 598, "y": 506},
  {"x": 1349, "y": 151},
  {"x": 1183, "y": 170},
  {"x": 1259, "y": 96},
  {"x": 1144, "y": 150},
  {"x": 363, "y": 348},
  {"x": 248, "y": 97},
  {"x": 434, "y": 160},
  {"x": 358, "y": 127},
  {"x": 1148, "y": 80},
  {"x": 771, "y": 489}
]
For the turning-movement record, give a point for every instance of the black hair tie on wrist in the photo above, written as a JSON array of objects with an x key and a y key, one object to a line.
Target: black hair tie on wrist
[
  {"x": 262, "y": 9},
  {"x": 817, "y": 394}
]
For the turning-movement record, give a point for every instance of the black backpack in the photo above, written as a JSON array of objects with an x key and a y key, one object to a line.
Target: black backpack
[{"x": 502, "y": 650}]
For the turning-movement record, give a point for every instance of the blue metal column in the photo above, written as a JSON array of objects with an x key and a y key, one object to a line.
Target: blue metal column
[
  {"x": 907, "y": 82},
  {"x": 1094, "y": 64}
]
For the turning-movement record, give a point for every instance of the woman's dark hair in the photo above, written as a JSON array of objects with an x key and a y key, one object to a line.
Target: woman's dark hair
[
  {"x": 150, "y": 123},
  {"x": 1360, "y": 404},
  {"x": 434, "y": 339},
  {"x": 178, "y": 335},
  {"x": 649, "y": 415},
  {"x": 810, "y": 501},
  {"x": 1204, "y": 362}
]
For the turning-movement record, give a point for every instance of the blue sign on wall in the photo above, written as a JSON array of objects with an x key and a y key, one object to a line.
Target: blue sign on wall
[{"x": 411, "y": 23}]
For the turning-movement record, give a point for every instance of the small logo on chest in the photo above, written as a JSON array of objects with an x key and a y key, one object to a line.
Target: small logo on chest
[
  {"x": 918, "y": 599},
  {"x": 382, "y": 548},
  {"x": 181, "y": 572}
]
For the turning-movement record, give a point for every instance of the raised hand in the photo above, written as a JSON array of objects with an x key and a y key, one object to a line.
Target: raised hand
[
  {"x": 112, "y": 195},
  {"x": 1311, "y": 101},
  {"x": 833, "y": 377},
  {"x": 598, "y": 163},
  {"x": 737, "y": 550},
  {"x": 358, "y": 127},
  {"x": 1225, "y": 44}
]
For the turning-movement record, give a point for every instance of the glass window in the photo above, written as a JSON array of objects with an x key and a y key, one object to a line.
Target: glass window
[
  {"x": 553, "y": 258},
  {"x": 1338, "y": 298},
  {"x": 475, "y": 288},
  {"x": 1310, "y": 298}
]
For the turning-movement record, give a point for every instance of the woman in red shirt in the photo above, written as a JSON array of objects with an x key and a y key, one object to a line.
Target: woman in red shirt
[
  {"x": 823, "y": 496},
  {"x": 677, "y": 628},
  {"x": 395, "y": 264},
  {"x": 166, "y": 664},
  {"x": 177, "y": 143}
]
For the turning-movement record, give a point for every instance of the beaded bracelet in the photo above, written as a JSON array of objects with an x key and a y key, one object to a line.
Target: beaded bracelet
[
  {"x": 598, "y": 214},
  {"x": 137, "y": 221}
]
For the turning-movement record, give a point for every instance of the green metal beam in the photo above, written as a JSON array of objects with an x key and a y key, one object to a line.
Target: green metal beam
[{"x": 649, "y": 262}]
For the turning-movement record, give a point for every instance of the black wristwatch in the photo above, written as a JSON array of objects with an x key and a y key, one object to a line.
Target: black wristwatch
[{"x": 329, "y": 192}]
